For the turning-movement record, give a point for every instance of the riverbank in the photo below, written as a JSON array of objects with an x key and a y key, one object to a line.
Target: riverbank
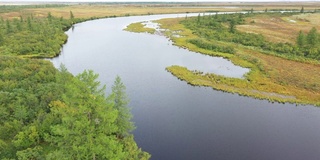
[{"x": 271, "y": 77}]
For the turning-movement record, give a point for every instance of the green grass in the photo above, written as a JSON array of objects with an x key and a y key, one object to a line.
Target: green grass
[
  {"x": 139, "y": 28},
  {"x": 231, "y": 85}
]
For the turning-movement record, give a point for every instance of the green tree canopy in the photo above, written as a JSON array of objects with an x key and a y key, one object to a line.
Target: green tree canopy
[
  {"x": 63, "y": 117},
  {"x": 312, "y": 37},
  {"x": 301, "y": 39},
  {"x": 120, "y": 99}
]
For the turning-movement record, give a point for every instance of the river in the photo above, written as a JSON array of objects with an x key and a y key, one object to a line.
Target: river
[{"x": 176, "y": 121}]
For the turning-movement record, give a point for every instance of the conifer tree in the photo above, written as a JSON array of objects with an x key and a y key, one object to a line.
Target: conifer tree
[
  {"x": 123, "y": 120},
  {"x": 8, "y": 26},
  {"x": 232, "y": 26},
  {"x": 71, "y": 15},
  {"x": 302, "y": 10},
  {"x": 301, "y": 39},
  {"x": 198, "y": 20},
  {"x": 312, "y": 37},
  {"x": 1, "y": 38},
  {"x": 29, "y": 24}
]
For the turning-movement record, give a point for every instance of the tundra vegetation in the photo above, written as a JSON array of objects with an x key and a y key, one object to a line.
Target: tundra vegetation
[
  {"x": 283, "y": 69},
  {"x": 47, "y": 113}
]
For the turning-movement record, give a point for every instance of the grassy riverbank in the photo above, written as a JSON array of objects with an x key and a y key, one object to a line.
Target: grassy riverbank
[{"x": 273, "y": 76}]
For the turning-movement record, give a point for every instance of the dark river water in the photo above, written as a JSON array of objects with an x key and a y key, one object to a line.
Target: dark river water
[{"x": 176, "y": 121}]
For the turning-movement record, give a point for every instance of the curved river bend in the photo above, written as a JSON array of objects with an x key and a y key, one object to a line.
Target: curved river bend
[{"x": 176, "y": 121}]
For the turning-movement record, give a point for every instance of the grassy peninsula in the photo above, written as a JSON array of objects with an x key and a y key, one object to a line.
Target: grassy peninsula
[
  {"x": 139, "y": 27},
  {"x": 281, "y": 50}
]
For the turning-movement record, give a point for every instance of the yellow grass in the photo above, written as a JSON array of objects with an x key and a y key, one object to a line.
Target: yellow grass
[
  {"x": 272, "y": 78},
  {"x": 281, "y": 29},
  {"x": 88, "y": 11}
]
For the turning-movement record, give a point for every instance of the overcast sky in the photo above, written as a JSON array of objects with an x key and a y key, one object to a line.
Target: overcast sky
[{"x": 150, "y": 0}]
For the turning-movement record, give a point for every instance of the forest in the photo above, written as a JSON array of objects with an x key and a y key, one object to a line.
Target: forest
[
  {"x": 34, "y": 37},
  {"x": 47, "y": 113}
]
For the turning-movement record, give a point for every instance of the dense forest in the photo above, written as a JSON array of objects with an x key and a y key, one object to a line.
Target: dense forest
[
  {"x": 222, "y": 27},
  {"x": 36, "y": 37},
  {"x": 48, "y": 113}
]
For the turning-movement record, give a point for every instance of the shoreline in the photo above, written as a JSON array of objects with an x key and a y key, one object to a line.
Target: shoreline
[{"x": 228, "y": 84}]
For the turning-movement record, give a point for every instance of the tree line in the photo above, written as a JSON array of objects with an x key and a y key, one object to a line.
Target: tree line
[
  {"x": 30, "y": 35},
  {"x": 17, "y": 8},
  {"x": 309, "y": 44},
  {"x": 222, "y": 27}
]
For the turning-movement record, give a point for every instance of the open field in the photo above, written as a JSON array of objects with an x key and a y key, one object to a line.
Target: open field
[
  {"x": 281, "y": 29},
  {"x": 85, "y": 10}
]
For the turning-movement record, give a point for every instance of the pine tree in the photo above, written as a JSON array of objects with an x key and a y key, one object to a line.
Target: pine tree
[
  {"x": 1, "y": 38},
  {"x": 301, "y": 39},
  {"x": 18, "y": 24},
  {"x": 312, "y": 37},
  {"x": 240, "y": 18},
  {"x": 86, "y": 127},
  {"x": 29, "y": 24},
  {"x": 198, "y": 20},
  {"x": 232, "y": 26},
  {"x": 71, "y": 15},
  {"x": 8, "y": 26},
  {"x": 49, "y": 16},
  {"x": 302, "y": 10},
  {"x": 123, "y": 120}
]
